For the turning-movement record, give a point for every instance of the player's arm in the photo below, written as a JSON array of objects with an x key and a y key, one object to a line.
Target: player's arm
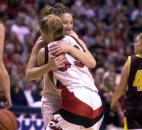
[
  {"x": 30, "y": 74},
  {"x": 34, "y": 72},
  {"x": 53, "y": 64},
  {"x": 88, "y": 59},
  {"x": 84, "y": 56},
  {"x": 122, "y": 85},
  {"x": 4, "y": 77},
  {"x": 2, "y": 38}
]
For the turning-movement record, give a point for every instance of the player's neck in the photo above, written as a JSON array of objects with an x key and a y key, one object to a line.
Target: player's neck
[{"x": 59, "y": 37}]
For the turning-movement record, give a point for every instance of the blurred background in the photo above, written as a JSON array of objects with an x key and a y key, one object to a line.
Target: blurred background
[{"x": 106, "y": 26}]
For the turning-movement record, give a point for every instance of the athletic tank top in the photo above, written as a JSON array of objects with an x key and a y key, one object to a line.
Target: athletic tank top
[
  {"x": 81, "y": 103},
  {"x": 49, "y": 89},
  {"x": 74, "y": 74},
  {"x": 133, "y": 98}
]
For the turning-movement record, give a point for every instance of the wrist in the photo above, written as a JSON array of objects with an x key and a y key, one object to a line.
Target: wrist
[{"x": 48, "y": 67}]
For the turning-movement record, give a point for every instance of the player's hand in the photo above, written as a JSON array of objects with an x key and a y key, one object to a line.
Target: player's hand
[
  {"x": 7, "y": 103},
  {"x": 59, "y": 47},
  {"x": 115, "y": 106},
  {"x": 56, "y": 62}
]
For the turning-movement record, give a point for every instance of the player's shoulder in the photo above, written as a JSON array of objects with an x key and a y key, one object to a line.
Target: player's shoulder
[
  {"x": 42, "y": 51},
  {"x": 69, "y": 39}
]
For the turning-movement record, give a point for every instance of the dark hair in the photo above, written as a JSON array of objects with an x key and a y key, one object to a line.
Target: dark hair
[
  {"x": 58, "y": 9},
  {"x": 47, "y": 10}
]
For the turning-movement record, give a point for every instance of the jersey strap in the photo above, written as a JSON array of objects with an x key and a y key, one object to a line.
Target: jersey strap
[{"x": 77, "y": 42}]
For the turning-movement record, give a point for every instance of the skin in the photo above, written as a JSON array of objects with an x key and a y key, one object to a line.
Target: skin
[
  {"x": 4, "y": 77},
  {"x": 53, "y": 63},
  {"x": 50, "y": 51},
  {"x": 33, "y": 72},
  {"x": 86, "y": 58},
  {"x": 37, "y": 59},
  {"x": 122, "y": 86},
  {"x": 67, "y": 20}
]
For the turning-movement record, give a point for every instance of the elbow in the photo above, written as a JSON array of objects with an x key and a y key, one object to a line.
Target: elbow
[
  {"x": 28, "y": 76},
  {"x": 92, "y": 65},
  {"x": 3, "y": 72}
]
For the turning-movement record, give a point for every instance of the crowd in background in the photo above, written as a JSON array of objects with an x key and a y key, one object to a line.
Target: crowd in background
[{"x": 106, "y": 26}]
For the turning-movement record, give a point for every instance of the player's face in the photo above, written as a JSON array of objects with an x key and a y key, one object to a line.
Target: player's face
[
  {"x": 67, "y": 22},
  {"x": 138, "y": 45}
]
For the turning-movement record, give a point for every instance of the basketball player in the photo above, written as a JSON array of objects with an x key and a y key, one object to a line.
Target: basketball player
[
  {"x": 66, "y": 16},
  {"x": 4, "y": 77},
  {"x": 131, "y": 85},
  {"x": 50, "y": 95},
  {"x": 81, "y": 106}
]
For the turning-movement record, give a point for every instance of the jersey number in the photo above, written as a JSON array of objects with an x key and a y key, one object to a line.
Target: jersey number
[{"x": 138, "y": 80}]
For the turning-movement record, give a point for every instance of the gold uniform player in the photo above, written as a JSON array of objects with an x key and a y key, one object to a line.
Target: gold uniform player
[{"x": 131, "y": 85}]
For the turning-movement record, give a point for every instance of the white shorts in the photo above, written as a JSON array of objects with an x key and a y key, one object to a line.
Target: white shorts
[
  {"x": 82, "y": 107},
  {"x": 49, "y": 106},
  {"x": 58, "y": 123}
]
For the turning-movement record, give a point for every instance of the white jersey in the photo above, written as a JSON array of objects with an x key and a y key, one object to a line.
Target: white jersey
[
  {"x": 77, "y": 74},
  {"x": 81, "y": 103},
  {"x": 51, "y": 99}
]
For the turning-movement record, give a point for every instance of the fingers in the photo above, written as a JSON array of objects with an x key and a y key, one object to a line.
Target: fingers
[
  {"x": 53, "y": 44},
  {"x": 52, "y": 56},
  {"x": 59, "y": 61},
  {"x": 56, "y": 62},
  {"x": 57, "y": 45},
  {"x": 56, "y": 52},
  {"x": 6, "y": 103},
  {"x": 55, "y": 48},
  {"x": 60, "y": 58}
]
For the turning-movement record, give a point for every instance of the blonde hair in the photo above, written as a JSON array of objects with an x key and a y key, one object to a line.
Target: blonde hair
[{"x": 52, "y": 26}]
